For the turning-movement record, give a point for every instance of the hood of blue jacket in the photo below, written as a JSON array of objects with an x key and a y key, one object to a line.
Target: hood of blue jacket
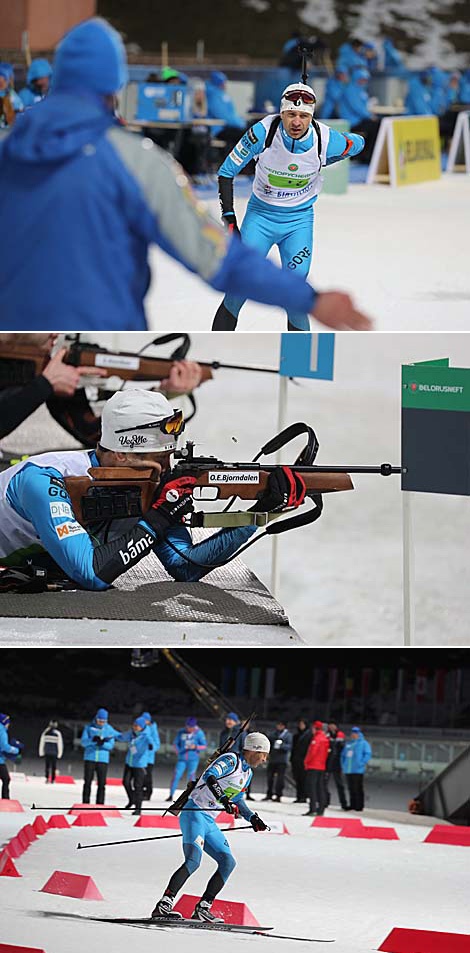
[{"x": 58, "y": 128}]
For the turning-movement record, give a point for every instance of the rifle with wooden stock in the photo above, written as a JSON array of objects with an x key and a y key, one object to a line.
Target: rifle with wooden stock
[
  {"x": 123, "y": 492},
  {"x": 21, "y": 361}
]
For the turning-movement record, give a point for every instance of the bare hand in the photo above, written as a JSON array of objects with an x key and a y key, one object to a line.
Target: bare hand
[
  {"x": 335, "y": 309},
  {"x": 63, "y": 378},
  {"x": 183, "y": 378}
]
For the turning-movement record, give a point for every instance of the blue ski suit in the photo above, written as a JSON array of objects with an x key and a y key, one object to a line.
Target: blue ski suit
[
  {"x": 274, "y": 220},
  {"x": 37, "y": 524},
  {"x": 199, "y": 829},
  {"x": 153, "y": 742},
  {"x": 189, "y": 746}
]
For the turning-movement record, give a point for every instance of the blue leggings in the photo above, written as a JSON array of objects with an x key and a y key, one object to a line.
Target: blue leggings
[
  {"x": 293, "y": 234},
  {"x": 200, "y": 833},
  {"x": 181, "y": 766}
]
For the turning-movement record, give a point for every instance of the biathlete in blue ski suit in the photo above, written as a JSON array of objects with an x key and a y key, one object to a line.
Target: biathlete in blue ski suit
[
  {"x": 98, "y": 741},
  {"x": 153, "y": 747},
  {"x": 189, "y": 744},
  {"x": 289, "y": 154},
  {"x": 222, "y": 786},
  {"x": 38, "y": 526}
]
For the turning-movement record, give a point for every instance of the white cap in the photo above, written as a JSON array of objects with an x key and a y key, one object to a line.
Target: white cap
[
  {"x": 298, "y": 105},
  {"x": 255, "y": 741},
  {"x": 124, "y": 419}
]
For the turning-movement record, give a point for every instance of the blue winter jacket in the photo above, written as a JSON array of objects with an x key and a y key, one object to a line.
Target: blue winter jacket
[
  {"x": 99, "y": 753},
  {"x": 154, "y": 741},
  {"x": 349, "y": 59},
  {"x": 353, "y": 103},
  {"x": 392, "y": 58},
  {"x": 355, "y": 755},
  {"x": 138, "y": 749},
  {"x": 190, "y": 744},
  {"x": 5, "y": 747},
  {"x": 220, "y": 106},
  {"x": 82, "y": 200},
  {"x": 464, "y": 88},
  {"x": 418, "y": 98},
  {"x": 333, "y": 92}
]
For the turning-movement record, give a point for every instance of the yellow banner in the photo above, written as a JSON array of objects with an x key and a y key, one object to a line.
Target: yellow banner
[{"x": 417, "y": 149}]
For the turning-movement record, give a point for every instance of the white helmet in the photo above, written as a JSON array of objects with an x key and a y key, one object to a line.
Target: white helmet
[
  {"x": 136, "y": 421},
  {"x": 255, "y": 741},
  {"x": 298, "y": 97}
]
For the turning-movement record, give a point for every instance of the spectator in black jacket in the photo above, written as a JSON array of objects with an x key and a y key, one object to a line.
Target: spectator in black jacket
[
  {"x": 281, "y": 746},
  {"x": 337, "y": 739},
  {"x": 300, "y": 742}
]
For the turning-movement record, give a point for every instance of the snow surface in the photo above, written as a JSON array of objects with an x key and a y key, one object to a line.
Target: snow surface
[
  {"x": 310, "y": 883},
  {"x": 402, "y": 253},
  {"x": 341, "y": 579}
]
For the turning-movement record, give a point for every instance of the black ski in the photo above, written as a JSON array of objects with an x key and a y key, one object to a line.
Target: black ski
[{"x": 182, "y": 924}]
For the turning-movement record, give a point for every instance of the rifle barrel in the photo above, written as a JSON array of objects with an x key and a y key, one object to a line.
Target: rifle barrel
[{"x": 218, "y": 365}]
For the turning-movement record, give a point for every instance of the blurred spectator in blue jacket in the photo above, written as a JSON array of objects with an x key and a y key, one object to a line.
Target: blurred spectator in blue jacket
[
  {"x": 333, "y": 92},
  {"x": 464, "y": 88},
  {"x": 221, "y": 106},
  {"x": 153, "y": 747},
  {"x": 392, "y": 58},
  {"x": 369, "y": 51},
  {"x": 418, "y": 97},
  {"x": 97, "y": 739},
  {"x": 355, "y": 98},
  {"x": 351, "y": 56},
  {"x": 10, "y": 102},
  {"x": 353, "y": 105},
  {"x": 38, "y": 80}
]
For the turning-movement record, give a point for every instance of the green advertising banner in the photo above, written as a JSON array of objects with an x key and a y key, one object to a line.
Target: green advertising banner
[
  {"x": 436, "y": 428},
  {"x": 436, "y": 386}
]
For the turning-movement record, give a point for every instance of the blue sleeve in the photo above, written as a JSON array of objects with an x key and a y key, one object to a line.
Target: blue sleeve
[
  {"x": 123, "y": 735},
  {"x": 109, "y": 744},
  {"x": 208, "y": 553},
  {"x": 155, "y": 737},
  {"x": 248, "y": 147},
  {"x": 201, "y": 741},
  {"x": 38, "y": 494},
  {"x": 367, "y": 752},
  {"x": 222, "y": 766},
  {"x": 245, "y": 273},
  {"x": 343, "y": 146},
  {"x": 86, "y": 738}
]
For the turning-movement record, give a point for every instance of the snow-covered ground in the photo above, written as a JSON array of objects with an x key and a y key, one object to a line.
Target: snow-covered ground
[
  {"x": 341, "y": 579},
  {"x": 310, "y": 883},
  {"x": 402, "y": 253}
]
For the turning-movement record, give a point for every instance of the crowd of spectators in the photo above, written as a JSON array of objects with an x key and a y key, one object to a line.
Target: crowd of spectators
[
  {"x": 318, "y": 753},
  {"x": 200, "y": 148}
]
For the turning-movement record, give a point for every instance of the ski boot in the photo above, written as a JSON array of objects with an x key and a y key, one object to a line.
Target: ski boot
[
  {"x": 202, "y": 911},
  {"x": 163, "y": 910}
]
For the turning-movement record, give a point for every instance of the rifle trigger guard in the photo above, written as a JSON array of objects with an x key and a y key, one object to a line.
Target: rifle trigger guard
[{"x": 307, "y": 456}]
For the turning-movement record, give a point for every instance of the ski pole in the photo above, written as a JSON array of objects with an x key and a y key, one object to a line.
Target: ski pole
[
  {"x": 140, "y": 840},
  {"x": 103, "y": 807}
]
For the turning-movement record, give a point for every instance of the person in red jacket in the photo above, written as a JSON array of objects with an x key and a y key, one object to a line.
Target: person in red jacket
[{"x": 315, "y": 766}]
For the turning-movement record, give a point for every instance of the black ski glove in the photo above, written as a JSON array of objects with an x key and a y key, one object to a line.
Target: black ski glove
[
  {"x": 285, "y": 488},
  {"x": 100, "y": 741},
  {"x": 173, "y": 500},
  {"x": 257, "y": 824},
  {"x": 230, "y": 222}
]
